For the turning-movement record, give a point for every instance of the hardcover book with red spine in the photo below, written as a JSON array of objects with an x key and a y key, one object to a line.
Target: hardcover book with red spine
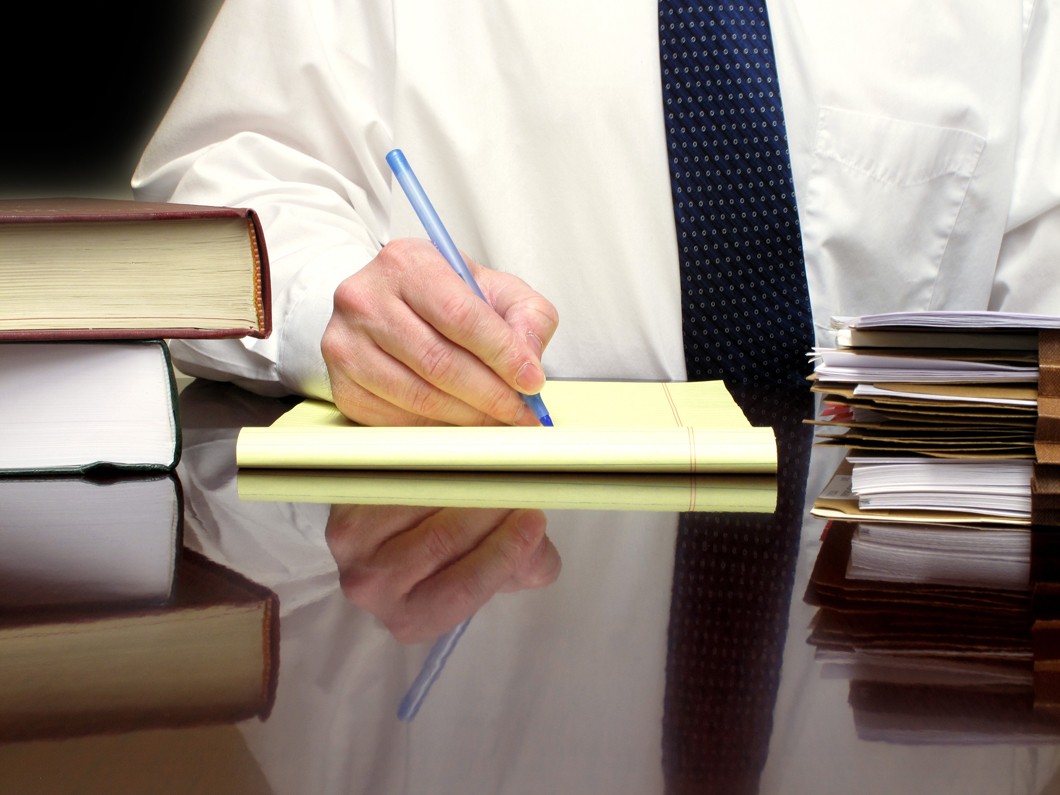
[{"x": 99, "y": 268}]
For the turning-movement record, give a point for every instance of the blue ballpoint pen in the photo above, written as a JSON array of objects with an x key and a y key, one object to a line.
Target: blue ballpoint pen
[{"x": 440, "y": 237}]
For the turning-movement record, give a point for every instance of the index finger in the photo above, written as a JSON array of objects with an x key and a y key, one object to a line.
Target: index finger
[
  {"x": 488, "y": 334},
  {"x": 503, "y": 561}
]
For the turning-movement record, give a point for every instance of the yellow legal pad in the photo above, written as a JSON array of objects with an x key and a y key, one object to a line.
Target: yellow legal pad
[{"x": 600, "y": 426}]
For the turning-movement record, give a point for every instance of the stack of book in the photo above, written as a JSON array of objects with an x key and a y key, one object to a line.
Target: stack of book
[
  {"x": 106, "y": 622},
  {"x": 90, "y": 289},
  {"x": 930, "y": 573}
]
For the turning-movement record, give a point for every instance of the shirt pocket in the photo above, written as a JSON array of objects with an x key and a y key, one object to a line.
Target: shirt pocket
[{"x": 882, "y": 198}]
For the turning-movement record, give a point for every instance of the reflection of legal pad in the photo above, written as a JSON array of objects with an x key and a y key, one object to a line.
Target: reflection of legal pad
[
  {"x": 589, "y": 491},
  {"x": 693, "y": 427}
]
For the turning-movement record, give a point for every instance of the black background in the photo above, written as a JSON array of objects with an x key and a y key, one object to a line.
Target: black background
[{"x": 85, "y": 87}]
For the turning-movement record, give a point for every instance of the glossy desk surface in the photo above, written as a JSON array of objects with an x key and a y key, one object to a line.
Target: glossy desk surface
[{"x": 585, "y": 685}]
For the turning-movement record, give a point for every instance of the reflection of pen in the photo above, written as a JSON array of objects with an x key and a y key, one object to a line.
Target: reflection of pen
[
  {"x": 432, "y": 667},
  {"x": 440, "y": 237}
]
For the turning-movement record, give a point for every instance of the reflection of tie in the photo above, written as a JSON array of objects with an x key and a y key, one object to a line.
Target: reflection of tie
[
  {"x": 745, "y": 301},
  {"x": 733, "y": 576}
]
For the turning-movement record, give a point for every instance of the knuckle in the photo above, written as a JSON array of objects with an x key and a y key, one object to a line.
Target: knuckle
[
  {"x": 543, "y": 320},
  {"x": 423, "y": 399},
  {"x": 463, "y": 308},
  {"x": 467, "y": 595},
  {"x": 333, "y": 345},
  {"x": 503, "y": 403},
  {"x": 403, "y": 628},
  {"x": 546, "y": 310},
  {"x": 544, "y": 575},
  {"x": 441, "y": 541},
  {"x": 521, "y": 538},
  {"x": 348, "y": 297},
  {"x": 358, "y": 408},
  {"x": 360, "y": 585},
  {"x": 437, "y": 360},
  {"x": 551, "y": 313},
  {"x": 511, "y": 553},
  {"x": 400, "y": 250}
]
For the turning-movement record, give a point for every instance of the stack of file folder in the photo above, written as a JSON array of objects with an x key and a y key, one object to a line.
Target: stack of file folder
[{"x": 942, "y": 422}]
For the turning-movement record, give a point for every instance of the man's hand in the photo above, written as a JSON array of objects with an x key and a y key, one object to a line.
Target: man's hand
[
  {"x": 410, "y": 344},
  {"x": 421, "y": 571}
]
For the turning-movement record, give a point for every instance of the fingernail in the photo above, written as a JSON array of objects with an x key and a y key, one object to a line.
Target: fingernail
[{"x": 530, "y": 379}]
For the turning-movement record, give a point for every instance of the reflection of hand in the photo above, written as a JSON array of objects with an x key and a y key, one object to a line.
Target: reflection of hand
[
  {"x": 409, "y": 343},
  {"x": 421, "y": 571}
]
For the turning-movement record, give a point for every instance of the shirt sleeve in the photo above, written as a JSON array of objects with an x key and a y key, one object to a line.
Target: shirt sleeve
[
  {"x": 1026, "y": 278},
  {"x": 267, "y": 118}
]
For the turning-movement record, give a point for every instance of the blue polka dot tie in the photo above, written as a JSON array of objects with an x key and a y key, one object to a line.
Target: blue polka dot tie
[{"x": 746, "y": 309}]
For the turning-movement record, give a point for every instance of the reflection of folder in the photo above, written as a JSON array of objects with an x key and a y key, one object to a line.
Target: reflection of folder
[
  {"x": 930, "y": 659},
  {"x": 588, "y": 491},
  {"x": 625, "y": 427},
  {"x": 930, "y": 714}
]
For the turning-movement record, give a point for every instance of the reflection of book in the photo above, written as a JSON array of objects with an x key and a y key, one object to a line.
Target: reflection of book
[
  {"x": 65, "y": 541},
  {"x": 207, "y": 655},
  {"x": 73, "y": 406},
  {"x": 205, "y": 760},
  {"x": 599, "y": 426},
  {"x": 113, "y": 267},
  {"x": 573, "y": 491}
]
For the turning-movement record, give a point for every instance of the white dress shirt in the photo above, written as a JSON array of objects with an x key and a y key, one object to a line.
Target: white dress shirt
[{"x": 925, "y": 144}]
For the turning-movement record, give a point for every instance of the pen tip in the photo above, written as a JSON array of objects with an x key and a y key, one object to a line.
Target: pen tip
[{"x": 546, "y": 421}]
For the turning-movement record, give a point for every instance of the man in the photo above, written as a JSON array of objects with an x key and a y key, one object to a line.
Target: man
[{"x": 925, "y": 155}]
